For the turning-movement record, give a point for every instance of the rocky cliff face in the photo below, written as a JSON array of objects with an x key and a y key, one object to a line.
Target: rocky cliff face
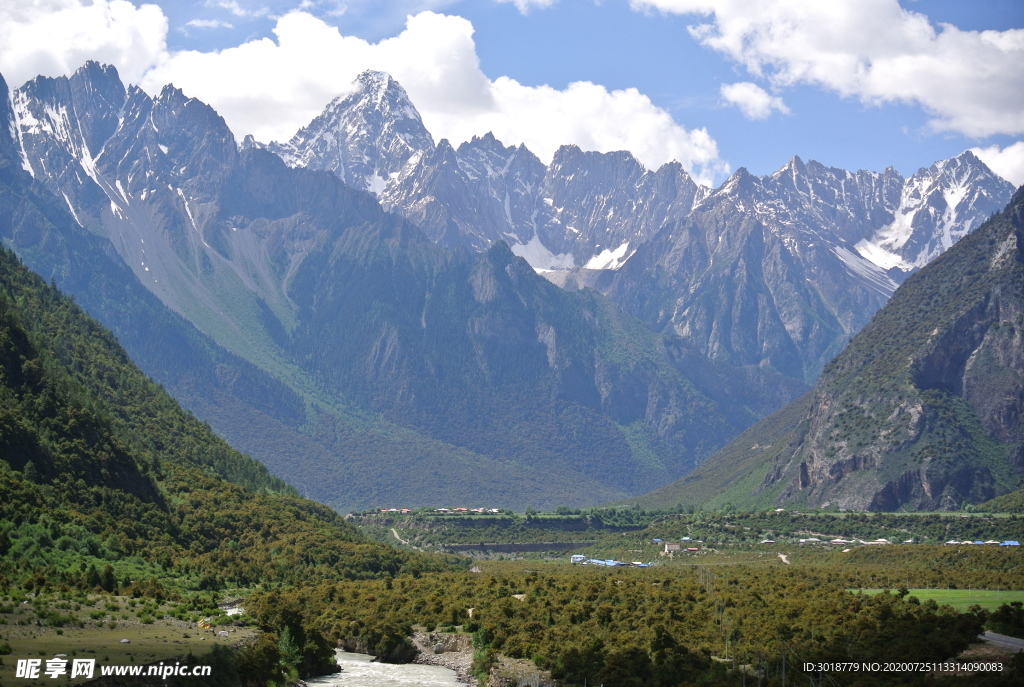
[
  {"x": 924, "y": 409},
  {"x": 475, "y": 196},
  {"x": 759, "y": 273},
  {"x": 777, "y": 271}
]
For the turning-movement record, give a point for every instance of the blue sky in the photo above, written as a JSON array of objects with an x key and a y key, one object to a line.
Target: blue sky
[
  {"x": 796, "y": 102},
  {"x": 619, "y": 48}
]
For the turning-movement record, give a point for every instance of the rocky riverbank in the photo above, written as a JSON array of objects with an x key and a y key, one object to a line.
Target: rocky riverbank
[{"x": 451, "y": 651}]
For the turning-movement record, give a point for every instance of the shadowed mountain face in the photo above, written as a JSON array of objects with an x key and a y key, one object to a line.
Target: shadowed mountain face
[
  {"x": 776, "y": 271},
  {"x": 922, "y": 411},
  {"x": 760, "y": 274},
  {"x": 336, "y": 342}
]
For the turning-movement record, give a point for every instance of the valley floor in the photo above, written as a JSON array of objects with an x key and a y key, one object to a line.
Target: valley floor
[{"x": 95, "y": 631}]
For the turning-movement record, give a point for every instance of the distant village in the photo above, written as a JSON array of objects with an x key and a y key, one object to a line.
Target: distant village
[
  {"x": 479, "y": 511},
  {"x": 610, "y": 563}
]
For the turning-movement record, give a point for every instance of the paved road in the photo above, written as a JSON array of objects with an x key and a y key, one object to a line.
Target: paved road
[{"x": 1003, "y": 640}]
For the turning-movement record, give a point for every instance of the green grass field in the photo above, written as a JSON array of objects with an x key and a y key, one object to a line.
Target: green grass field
[
  {"x": 962, "y": 599},
  {"x": 163, "y": 639}
]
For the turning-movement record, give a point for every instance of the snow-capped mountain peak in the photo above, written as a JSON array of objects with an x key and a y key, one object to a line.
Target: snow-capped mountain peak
[
  {"x": 938, "y": 206},
  {"x": 777, "y": 270},
  {"x": 366, "y": 137},
  {"x": 598, "y": 210},
  {"x": 584, "y": 208}
]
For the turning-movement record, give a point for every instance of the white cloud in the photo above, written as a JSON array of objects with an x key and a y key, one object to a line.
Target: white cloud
[
  {"x": 271, "y": 88},
  {"x": 1007, "y": 162},
  {"x": 754, "y": 102},
  {"x": 873, "y": 50},
  {"x": 209, "y": 24},
  {"x": 593, "y": 118},
  {"x": 385, "y": 18},
  {"x": 54, "y": 37},
  {"x": 236, "y": 9},
  {"x": 525, "y": 6}
]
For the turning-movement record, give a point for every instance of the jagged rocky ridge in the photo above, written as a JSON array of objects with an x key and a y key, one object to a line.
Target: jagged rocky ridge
[
  {"x": 399, "y": 372},
  {"x": 775, "y": 271},
  {"x": 922, "y": 411},
  {"x": 583, "y": 208}
]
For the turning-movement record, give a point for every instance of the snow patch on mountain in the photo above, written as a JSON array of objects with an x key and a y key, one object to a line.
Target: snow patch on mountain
[
  {"x": 71, "y": 207},
  {"x": 610, "y": 258},
  {"x": 877, "y": 254},
  {"x": 21, "y": 119},
  {"x": 882, "y": 248},
  {"x": 376, "y": 184},
  {"x": 540, "y": 257}
]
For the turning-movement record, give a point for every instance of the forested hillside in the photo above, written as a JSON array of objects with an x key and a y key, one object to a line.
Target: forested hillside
[
  {"x": 100, "y": 464},
  {"x": 109, "y": 487}
]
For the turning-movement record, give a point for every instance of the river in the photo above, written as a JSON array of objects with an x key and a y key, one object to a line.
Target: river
[{"x": 357, "y": 670}]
